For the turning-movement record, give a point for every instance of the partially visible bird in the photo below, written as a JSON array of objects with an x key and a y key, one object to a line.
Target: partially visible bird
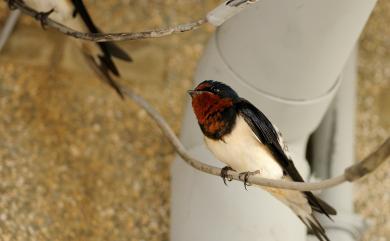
[
  {"x": 243, "y": 138},
  {"x": 74, "y": 14}
]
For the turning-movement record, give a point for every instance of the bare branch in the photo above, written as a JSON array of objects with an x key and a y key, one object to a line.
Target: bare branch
[
  {"x": 8, "y": 27},
  {"x": 157, "y": 33},
  {"x": 370, "y": 163},
  {"x": 101, "y": 37},
  {"x": 352, "y": 173},
  {"x": 216, "y": 17}
]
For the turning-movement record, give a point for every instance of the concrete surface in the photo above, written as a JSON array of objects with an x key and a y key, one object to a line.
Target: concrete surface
[{"x": 77, "y": 163}]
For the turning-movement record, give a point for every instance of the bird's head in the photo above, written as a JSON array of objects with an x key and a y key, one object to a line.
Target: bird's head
[{"x": 211, "y": 97}]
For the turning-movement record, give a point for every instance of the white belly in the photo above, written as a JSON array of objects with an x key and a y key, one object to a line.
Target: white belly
[
  {"x": 242, "y": 151},
  {"x": 63, "y": 10}
]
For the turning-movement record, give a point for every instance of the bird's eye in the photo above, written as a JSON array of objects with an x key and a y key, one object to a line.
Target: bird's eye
[{"x": 217, "y": 90}]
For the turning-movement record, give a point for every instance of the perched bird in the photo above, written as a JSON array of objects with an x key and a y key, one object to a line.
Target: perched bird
[
  {"x": 73, "y": 14},
  {"x": 242, "y": 137}
]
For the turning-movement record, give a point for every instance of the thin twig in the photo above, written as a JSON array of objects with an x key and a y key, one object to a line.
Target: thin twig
[
  {"x": 368, "y": 165},
  {"x": 109, "y": 37},
  {"x": 216, "y": 17},
  {"x": 8, "y": 27}
]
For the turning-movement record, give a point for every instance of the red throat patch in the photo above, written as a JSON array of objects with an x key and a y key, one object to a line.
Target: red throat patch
[{"x": 208, "y": 103}]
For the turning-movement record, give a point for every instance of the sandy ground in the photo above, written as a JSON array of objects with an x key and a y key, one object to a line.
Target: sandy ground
[
  {"x": 77, "y": 163},
  {"x": 373, "y": 120}
]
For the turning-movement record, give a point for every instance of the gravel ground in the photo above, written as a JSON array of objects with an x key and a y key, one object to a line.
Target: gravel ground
[
  {"x": 77, "y": 163},
  {"x": 373, "y": 121}
]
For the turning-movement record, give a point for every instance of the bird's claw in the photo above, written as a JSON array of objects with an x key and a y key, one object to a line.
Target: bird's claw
[
  {"x": 244, "y": 176},
  {"x": 224, "y": 174},
  {"x": 43, "y": 16}
]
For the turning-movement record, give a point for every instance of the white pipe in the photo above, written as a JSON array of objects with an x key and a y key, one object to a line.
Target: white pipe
[
  {"x": 226, "y": 10},
  {"x": 337, "y": 134},
  {"x": 285, "y": 56}
]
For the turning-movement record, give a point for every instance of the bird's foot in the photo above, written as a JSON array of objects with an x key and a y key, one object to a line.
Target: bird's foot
[
  {"x": 224, "y": 174},
  {"x": 43, "y": 16},
  {"x": 11, "y": 4},
  {"x": 244, "y": 176}
]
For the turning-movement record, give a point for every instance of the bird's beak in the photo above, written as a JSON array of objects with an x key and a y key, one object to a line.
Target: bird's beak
[{"x": 194, "y": 93}]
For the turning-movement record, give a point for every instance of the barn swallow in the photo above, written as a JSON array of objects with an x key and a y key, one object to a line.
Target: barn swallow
[
  {"x": 243, "y": 138},
  {"x": 74, "y": 14}
]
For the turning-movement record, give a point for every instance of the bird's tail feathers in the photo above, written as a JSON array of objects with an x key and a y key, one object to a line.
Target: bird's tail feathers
[
  {"x": 109, "y": 49},
  {"x": 300, "y": 204},
  {"x": 314, "y": 226},
  {"x": 103, "y": 72},
  {"x": 116, "y": 51},
  {"x": 107, "y": 63},
  {"x": 321, "y": 206}
]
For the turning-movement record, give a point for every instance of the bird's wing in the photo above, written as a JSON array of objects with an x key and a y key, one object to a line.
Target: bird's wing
[{"x": 267, "y": 134}]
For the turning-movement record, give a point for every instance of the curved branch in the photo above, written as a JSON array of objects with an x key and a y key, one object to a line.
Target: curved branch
[
  {"x": 370, "y": 163},
  {"x": 108, "y": 37},
  {"x": 354, "y": 172},
  {"x": 216, "y": 17},
  {"x": 8, "y": 28}
]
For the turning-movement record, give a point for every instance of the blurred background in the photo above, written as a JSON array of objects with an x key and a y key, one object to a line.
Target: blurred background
[{"x": 77, "y": 163}]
